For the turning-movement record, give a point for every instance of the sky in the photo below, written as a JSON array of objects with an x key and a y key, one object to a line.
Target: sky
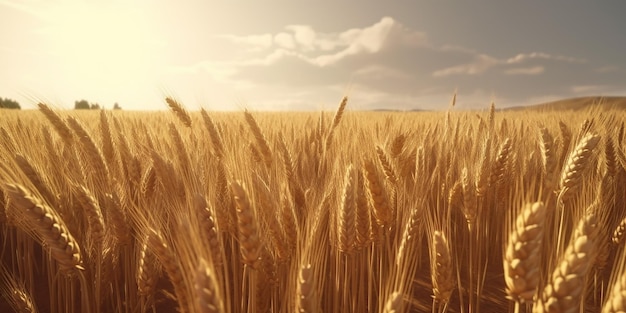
[{"x": 306, "y": 55}]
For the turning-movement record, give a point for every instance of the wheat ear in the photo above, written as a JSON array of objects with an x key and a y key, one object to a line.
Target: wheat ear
[
  {"x": 94, "y": 216},
  {"x": 146, "y": 272},
  {"x": 306, "y": 298},
  {"x": 336, "y": 120},
  {"x": 15, "y": 293},
  {"x": 618, "y": 233},
  {"x": 522, "y": 256},
  {"x": 566, "y": 286},
  {"x": 207, "y": 222},
  {"x": 249, "y": 242},
  {"x": 57, "y": 122},
  {"x": 616, "y": 300},
  {"x": 167, "y": 258},
  {"x": 498, "y": 169},
  {"x": 261, "y": 141},
  {"x": 36, "y": 178},
  {"x": 548, "y": 155},
  {"x": 179, "y": 111},
  {"x": 347, "y": 213},
  {"x": 94, "y": 156},
  {"x": 382, "y": 210},
  {"x": 577, "y": 161},
  {"x": 397, "y": 145},
  {"x": 363, "y": 225},
  {"x": 387, "y": 167},
  {"x": 107, "y": 139},
  {"x": 216, "y": 139},
  {"x": 48, "y": 226},
  {"x": 206, "y": 288},
  {"x": 441, "y": 267}
]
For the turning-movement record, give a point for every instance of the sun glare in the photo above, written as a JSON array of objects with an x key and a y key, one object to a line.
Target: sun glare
[{"x": 107, "y": 44}]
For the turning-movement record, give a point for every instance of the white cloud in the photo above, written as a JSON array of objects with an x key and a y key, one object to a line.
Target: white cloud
[
  {"x": 535, "y": 70},
  {"x": 391, "y": 62},
  {"x": 332, "y": 47},
  {"x": 381, "y": 72},
  {"x": 480, "y": 65},
  {"x": 304, "y": 35},
  {"x": 523, "y": 57},
  {"x": 284, "y": 40},
  {"x": 483, "y": 63}
]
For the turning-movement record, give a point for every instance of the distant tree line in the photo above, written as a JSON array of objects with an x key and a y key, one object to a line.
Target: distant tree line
[
  {"x": 6, "y": 103},
  {"x": 85, "y": 105}
]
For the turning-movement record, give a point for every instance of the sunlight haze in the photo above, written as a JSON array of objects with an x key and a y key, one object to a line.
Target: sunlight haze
[{"x": 283, "y": 55}]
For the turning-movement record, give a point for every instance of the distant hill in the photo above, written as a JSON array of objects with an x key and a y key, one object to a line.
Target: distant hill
[{"x": 575, "y": 104}]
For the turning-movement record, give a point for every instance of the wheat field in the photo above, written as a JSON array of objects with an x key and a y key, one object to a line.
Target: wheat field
[{"x": 197, "y": 212}]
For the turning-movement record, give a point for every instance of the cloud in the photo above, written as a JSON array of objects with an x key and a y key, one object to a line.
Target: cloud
[
  {"x": 387, "y": 62},
  {"x": 285, "y": 40},
  {"x": 304, "y": 35},
  {"x": 481, "y": 64},
  {"x": 535, "y": 70},
  {"x": 586, "y": 89},
  {"x": 523, "y": 57}
]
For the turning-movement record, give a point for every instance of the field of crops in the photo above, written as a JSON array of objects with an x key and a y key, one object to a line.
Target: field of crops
[{"x": 198, "y": 212}]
